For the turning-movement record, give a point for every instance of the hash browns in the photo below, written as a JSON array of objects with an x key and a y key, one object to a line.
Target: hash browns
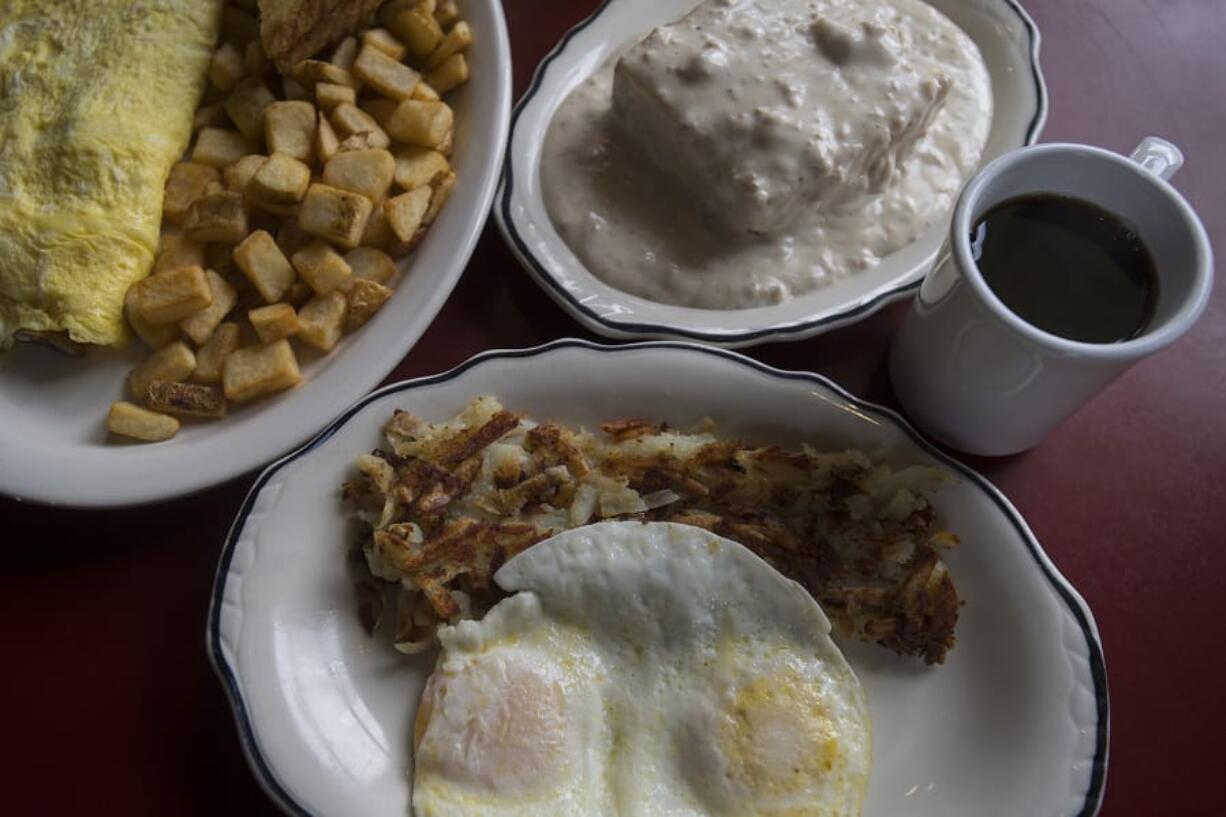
[{"x": 445, "y": 505}]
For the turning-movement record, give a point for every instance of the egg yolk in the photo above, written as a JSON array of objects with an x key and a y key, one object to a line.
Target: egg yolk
[{"x": 496, "y": 727}]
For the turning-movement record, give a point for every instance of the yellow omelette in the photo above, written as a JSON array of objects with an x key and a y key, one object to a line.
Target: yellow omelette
[{"x": 96, "y": 105}]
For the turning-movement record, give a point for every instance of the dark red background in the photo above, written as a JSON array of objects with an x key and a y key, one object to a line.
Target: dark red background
[{"x": 112, "y": 708}]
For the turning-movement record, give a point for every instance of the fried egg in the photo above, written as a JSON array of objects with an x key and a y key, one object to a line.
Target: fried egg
[{"x": 643, "y": 669}]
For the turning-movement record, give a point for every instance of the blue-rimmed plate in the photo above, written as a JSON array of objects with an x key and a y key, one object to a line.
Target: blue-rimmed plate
[
  {"x": 1014, "y": 724},
  {"x": 1009, "y": 42}
]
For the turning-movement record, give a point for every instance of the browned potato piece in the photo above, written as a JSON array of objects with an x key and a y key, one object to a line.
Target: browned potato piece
[
  {"x": 217, "y": 217},
  {"x": 442, "y": 192},
  {"x": 265, "y": 265},
  {"x": 309, "y": 72},
  {"x": 383, "y": 40},
  {"x": 298, "y": 294},
  {"x": 171, "y": 296},
  {"x": 218, "y": 147},
  {"x": 450, "y": 74},
  {"x": 389, "y": 10},
  {"x": 320, "y": 320},
  {"x": 345, "y": 53},
  {"x": 380, "y": 109},
  {"x": 240, "y": 174},
  {"x": 129, "y": 420},
  {"x": 370, "y": 264},
  {"x": 336, "y": 215},
  {"x": 417, "y": 167},
  {"x": 174, "y": 362},
  {"x": 350, "y": 119},
  {"x": 153, "y": 335},
  {"x": 424, "y": 93},
  {"x": 447, "y": 13},
  {"x": 255, "y": 60},
  {"x": 291, "y": 238},
  {"x": 211, "y": 356},
  {"x": 459, "y": 38},
  {"x": 365, "y": 299},
  {"x": 281, "y": 180},
  {"x": 378, "y": 232},
  {"x": 178, "y": 251},
  {"x": 419, "y": 31},
  {"x": 368, "y": 172},
  {"x": 406, "y": 212},
  {"x": 227, "y": 67},
  {"x": 425, "y": 124},
  {"x": 186, "y": 183},
  {"x": 258, "y": 370},
  {"x": 273, "y": 322},
  {"x": 246, "y": 105},
  {"x": 322, "y": 267},
  {"x": 190, "y": 399},
  {"x": 289, "y": 128},
  {"x": 385, "y": 75},
  {"x": 199, "y": 325},
  {"x": 326, "y": 143},
  {"x": 329, "y": 95},
  {"x": 211, "y": 116}
]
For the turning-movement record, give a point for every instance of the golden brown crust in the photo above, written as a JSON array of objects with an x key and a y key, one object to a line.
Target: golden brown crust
[{"x": 295, "y": 30}]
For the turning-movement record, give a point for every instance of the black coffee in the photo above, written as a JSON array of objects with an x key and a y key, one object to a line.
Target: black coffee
[{"x": 1068, "y": 267}]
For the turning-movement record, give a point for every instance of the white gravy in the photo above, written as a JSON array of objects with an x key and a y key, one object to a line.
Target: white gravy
[{"x": 766, "y": 148}]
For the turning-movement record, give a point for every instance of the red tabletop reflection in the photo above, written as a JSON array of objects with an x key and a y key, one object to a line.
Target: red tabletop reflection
[{"x": 113, "y": 707}]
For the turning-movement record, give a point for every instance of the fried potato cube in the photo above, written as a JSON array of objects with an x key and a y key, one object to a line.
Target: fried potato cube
[
  {"x": 186, "y": 183},
  {"x": 368, "y": 172},
  {"x": 255, "y": 60},
  {"x": 153, "y": 335},
  {"x": 190, "y": 399},
  {"x": 281, "y": 180},
  {"x": 451, "y": 73},
  {"x": 258, "y": 370},
  {"x": 265, "y": 265},
  {"x": 273, "y": 322},
  {"x": 419, "y": 31},
  {"x": 299, "y": 294},
  {"x": 388, "y": 76},
  {"x": 370, "y": 264},
  {"x": 217, "y": 217},
  {"x": 289, "y": 128},
  {"x": 329, "y": 95},
  {"x": 199, "y": 325},
  {"x": 389, "y": 10},
  {"x": 309, "y": 72},
  {"x": 459, "y": 38},
  {"x": 326, "y": 143},
  {"x": 171, "y": 296},
  {"x": 227, "y": 67},
  {"x": 442, "y": 191},
  {"x": 365, "y": 299},
  {"x": 345, "y": 53},
  {"x": 321, "y": 319},
  {"x": 175, "y": 363},
  {"x": 383, "y": 40},
  {"x": 424, "y": 93},
  {"x": 336, "y": 215},
  {"x": 211, "y": 356},
  {"x": 350, "y": 119},
  {"x": 380, "y": 109},
  {"x": 406, "y": 212},
  {"x": 378, "y": 232},
  {"x": 417, "y": 166},
  {"x": 424, "y": 124},
  {"x": 240, "y": 174},
  {"x": 322, "y": 267},
  {"x": 447, "y": 146},
  {"x": 178, "y": 251},
  {"x": 211, "y": 116},
  {"x": 218, "y": 147},
  {"x": 128, "y": 420},
  {"x": 220, "y": 259},
  {"x": 246, "y": 105},
  {"x": 447, "y": 13}
]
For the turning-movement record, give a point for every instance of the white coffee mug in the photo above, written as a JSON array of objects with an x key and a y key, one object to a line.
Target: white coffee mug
[{"x": 977, "y": 377}]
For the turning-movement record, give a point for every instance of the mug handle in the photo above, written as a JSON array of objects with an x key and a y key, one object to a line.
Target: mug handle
[{"x": 1158, "y": 156}]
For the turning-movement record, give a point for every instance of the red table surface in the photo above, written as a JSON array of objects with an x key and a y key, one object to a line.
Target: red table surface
[{"x": 113, "y": 707}]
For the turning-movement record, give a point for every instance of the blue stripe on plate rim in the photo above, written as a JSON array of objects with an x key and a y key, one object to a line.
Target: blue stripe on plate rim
[
  {"x": 1094, "y": 793},
  {"x": 782, "y": 332}
]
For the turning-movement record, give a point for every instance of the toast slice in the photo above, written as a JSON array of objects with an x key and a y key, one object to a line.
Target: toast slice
[{"x": 295, "y": 30}]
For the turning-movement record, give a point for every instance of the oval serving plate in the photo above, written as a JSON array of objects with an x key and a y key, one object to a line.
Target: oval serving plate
[
  {"x": 53, "y": 442},
  {"x": 1014, "y": 724},
  {"x": 1006, "y": 36}
]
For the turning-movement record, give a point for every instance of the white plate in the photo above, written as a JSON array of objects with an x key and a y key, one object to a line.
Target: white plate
[
  {"x": 53, "y": 441},
  {"x": 1013, "y": 725},
  {"x": 1006, "y": 36}
]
